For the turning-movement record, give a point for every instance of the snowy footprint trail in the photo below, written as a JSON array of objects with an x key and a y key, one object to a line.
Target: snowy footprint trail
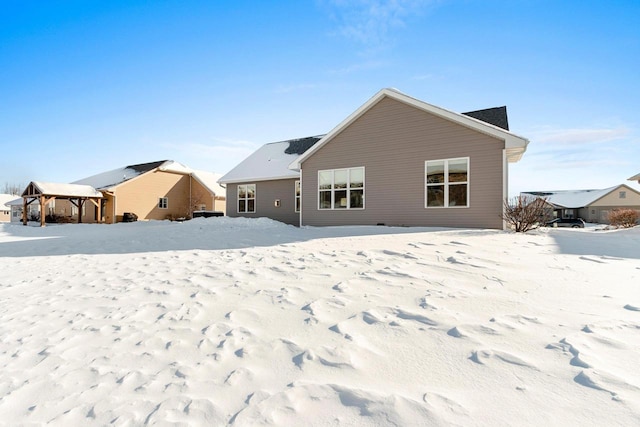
[{"x": 349, "y": 326}]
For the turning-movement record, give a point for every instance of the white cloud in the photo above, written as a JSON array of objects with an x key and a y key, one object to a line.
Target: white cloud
[{"x": 369, "y": 21}]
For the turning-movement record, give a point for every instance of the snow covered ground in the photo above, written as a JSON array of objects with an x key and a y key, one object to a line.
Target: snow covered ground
[{"x": 240, "y": 322}]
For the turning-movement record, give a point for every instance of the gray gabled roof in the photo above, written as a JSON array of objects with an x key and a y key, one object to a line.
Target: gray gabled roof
[
  {"x": 496, "y": 116},
  {"x": 270, "y": 161},
  {"x": 635, "y": 178}
]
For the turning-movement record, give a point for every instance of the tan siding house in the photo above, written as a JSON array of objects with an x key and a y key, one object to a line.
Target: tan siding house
[
  {"x": 152, "y": 191},
  {"x": 590, "y": 205},
  {"x": 394, "y": 161},
  {"x": 5, "y": 210}
]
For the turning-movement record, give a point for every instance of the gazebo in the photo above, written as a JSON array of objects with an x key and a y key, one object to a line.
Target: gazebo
[{"x": 45, "y": 192}]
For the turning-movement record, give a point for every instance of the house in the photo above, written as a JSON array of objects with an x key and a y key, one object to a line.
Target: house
[
  {"x": 590, "y": 205},
  {"x": 5, "y": 209},
  {"x": 396, "y": 160},
  {"x": 635, "y": 178},
  {"x": 156, "y": 190}
]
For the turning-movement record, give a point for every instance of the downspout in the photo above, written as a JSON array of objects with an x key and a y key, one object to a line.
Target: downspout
[
  {"x": 300, "y": 213},
  {"x": 190, "y": 210},
  {"x": 505, "y": 185}
]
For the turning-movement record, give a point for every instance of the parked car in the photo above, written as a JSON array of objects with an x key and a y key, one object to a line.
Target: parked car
[{"x": 566, "y": 222}]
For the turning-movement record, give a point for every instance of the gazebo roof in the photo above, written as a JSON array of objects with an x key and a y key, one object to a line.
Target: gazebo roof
[{"x": 61, "y": 190}]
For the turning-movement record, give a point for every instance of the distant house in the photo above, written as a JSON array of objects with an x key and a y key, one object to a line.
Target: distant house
[
  {"x": 635, "y": 178},
  {"x": 590, "y": 205},
  {"x": 395, "y": 161},
  {"x": 5, "y": 209},
  {"x": 156, "y": 190}
]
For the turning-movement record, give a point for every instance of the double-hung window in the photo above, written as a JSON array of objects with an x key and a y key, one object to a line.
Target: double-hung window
[
  {"x": 447, "y": 183},
  {"x": 246, "y": 198},
  {"x": 341, "y": 188},
  {"x": 297, "y": 196}
]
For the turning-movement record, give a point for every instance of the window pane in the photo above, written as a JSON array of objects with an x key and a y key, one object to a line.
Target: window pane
[
  {"x": 340, "y": 179},
  {"x": 251, "y": 191},
  {"x": 356, "y": 177},
  {"x": 324, "y": 180},
  {"x": 251, "y": 205},
  {"x": 341, "y": 199},
  {"x": 242, "y": 191},
  {"x": 435, "y": 172},
  {"x": 297, "y": 204},
  {"x": 435, "y": 195},
  {"x": 242, "y": 206},
  {"x": 325, "y": 200},
  {"x": 458, "y": 195},
  {"x": 356, "y": 199},
  {"x": 458, "y": 170},
  {"x": 297, "y": 188}
]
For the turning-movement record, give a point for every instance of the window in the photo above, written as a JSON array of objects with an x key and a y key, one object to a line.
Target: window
[
  {"x": 297, "y": 194},
  {"x": 341, "y": 188},
  {"x": 447, "y": 183},
  {"x": 163, "y": 202},
  {"x": 623, "y": 194},
  {"x": 246, "y": 198}
]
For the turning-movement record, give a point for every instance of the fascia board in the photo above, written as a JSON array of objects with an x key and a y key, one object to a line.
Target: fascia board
[{"x": 246, "y": 180}]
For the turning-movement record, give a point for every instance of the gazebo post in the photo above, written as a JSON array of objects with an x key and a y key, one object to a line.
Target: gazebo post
[
  {"x": 24, "y": 211},
  {"x": 42, "y": 215}
]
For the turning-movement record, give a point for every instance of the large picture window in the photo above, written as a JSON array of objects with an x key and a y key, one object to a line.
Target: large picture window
[
  {"x": 447, "y": 183},
  {"x": 246, "y": 198},
  {"x": 297, "y": 196},
  {"x": 341, "y": 188}
]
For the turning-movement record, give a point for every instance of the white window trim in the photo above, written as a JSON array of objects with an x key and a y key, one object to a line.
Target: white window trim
[
  {"x": 246, "y": 199},
  {"x": 296, "y": 196},
  {"x": 348, "y": 189},
  {"x": 446, "y": 183},
  {"x": 163, "y": 201}
]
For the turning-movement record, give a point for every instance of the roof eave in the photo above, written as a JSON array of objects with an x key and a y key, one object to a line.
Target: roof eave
[{"x": 245, "y": 180}]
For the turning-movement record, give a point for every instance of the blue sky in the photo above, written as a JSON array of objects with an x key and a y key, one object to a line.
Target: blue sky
[{"x": 89, "y": 86}]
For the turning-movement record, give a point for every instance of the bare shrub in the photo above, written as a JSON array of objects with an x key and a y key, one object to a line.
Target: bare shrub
[
  {"x": 625, "y": 218},
  {"x": 524, "y": 213}
]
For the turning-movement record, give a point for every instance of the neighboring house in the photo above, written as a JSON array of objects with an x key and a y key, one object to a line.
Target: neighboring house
[
  {"x": 262, "y": 185},
  {"x": 5, "y": 209},
  {"x": 157, "y": 190},
  {"x": 394, "y": 161},
  {"x": 590, "y": 205},
  {"x": 15, "y": 205},
  {"x": 635, "y": 178}
]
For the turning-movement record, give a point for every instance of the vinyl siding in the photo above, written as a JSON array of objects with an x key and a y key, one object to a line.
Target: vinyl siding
[
  {"x": 392, "y": 141},
  {"x": 613, "y": 198},
  {"x": 266, "y": 194},
  {"x": 141, "y": 195}
]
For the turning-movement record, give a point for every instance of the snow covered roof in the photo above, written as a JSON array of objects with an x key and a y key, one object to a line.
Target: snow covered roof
[
  {"x": 515, "y": 145},
  {"x": 572, "y": 199},
  {"x": 15, "y": 202},
  {"x": 271, "y": 161},
  {"x": 108, "y": 180},
  {"x": 635, "y": 178},
  {"x": 5, "y": 199},
  {"x": 64, "y": 190}
]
